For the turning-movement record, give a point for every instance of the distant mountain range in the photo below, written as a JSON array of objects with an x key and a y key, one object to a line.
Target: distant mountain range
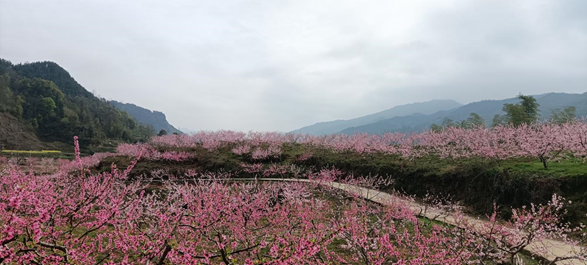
[
  {"x": 147, "y": 117},
  {"x": 417, "y": 120},
  {"x": 422, "y": 108}
]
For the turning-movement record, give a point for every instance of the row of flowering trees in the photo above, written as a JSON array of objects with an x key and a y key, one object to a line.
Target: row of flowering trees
[{"x": 545, "y": 142}]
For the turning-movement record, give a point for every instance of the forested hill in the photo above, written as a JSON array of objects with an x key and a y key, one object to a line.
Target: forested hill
[
  {"x": 53, "y": 72},
  {"x": 48, "y": 102},
  {"x": 146, "y": 117}
]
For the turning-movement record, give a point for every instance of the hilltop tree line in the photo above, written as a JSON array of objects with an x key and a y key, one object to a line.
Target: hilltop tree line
[
  {"x": 524, "y": 112},
  {"x": 47, "y": 99}
]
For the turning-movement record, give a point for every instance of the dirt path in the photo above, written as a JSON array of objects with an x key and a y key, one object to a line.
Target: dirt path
[{"x": 549, "y": 249}]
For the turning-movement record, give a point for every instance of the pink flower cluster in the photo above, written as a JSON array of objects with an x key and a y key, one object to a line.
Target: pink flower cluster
[
  {"x": 263, "y": 153},
  {"x": 304, "y": 157},
  {"x": 252, "y": 168},
  {"x": 259, "y": 150},
  {"x": 276, "y": 170},
  {"x": 83, "y": 162},
  {"x": 208, "y": 140},
  {"x": 242, "y": 149},
  {"x": 56, "y": 219},
  {"x": 149, "y": 152}
]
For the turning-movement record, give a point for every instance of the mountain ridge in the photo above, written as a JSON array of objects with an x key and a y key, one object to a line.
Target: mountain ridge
[
  {"x": 426, "y": 107},
  {"x": 485, "y": 108}
]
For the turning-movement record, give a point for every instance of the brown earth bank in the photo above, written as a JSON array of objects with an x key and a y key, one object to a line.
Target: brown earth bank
[{"x": 15, "y": 135}]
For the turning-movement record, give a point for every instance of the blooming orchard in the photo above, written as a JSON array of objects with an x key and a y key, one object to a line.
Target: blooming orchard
[
  {"x": 80, "y": 216},
  {"x": 87, "y": 219}
]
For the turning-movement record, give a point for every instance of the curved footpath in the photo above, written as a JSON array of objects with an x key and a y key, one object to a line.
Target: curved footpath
[{"x": 549, "y": 249}]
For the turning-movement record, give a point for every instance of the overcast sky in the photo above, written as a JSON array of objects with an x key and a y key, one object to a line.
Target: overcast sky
[{"x": 280, "y": 65}]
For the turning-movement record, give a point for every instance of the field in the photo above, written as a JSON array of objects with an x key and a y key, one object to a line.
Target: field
[
  {"x": 175, "y": 200},
  {"x": 31, "y": 152}
]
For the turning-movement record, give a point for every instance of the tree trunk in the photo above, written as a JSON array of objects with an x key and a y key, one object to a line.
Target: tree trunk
[{"x": 544, "y": 162}]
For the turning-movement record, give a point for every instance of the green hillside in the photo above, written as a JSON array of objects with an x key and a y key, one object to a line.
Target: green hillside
[{"x": 49, "y": 103}]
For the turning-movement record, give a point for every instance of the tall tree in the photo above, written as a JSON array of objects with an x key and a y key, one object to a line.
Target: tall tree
[
  {"x": 7, "y": 100},
  {"x": 524, "y": 112},
  {"x": 435, "y": 127},
  {"x": 474, "y": 121},
  {"x": 568, "y": 114},
  {"x": 448, "y": 122},
  {"x": 530, "y": 106},
  {"x": 497, "y": 120}
]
